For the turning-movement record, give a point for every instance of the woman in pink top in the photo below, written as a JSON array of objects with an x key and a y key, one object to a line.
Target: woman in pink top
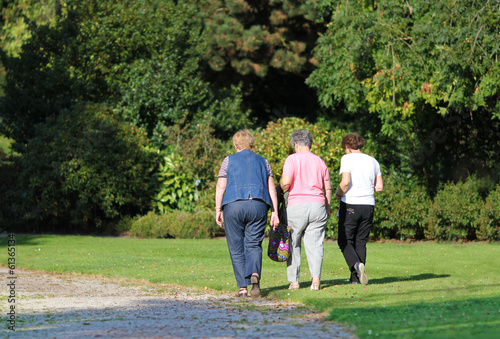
[{"x": 306, "y": 178}]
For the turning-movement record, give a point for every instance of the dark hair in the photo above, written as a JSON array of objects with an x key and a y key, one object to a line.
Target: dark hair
[
  {"x": 302, "y": 137},
  {"x": 353, "y": 141}
]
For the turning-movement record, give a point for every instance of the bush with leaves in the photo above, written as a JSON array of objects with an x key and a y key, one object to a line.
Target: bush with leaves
[
  {"x": 176, "y": 224},
  {"x": 189, "y": 168},
  {"x": 489, "y": 217},
  {"x": 178, "y": 190},
  {"x": 401, "y": 209},
  {"x": 455, "y": 210},
  {"x": 83, "y": 169}
]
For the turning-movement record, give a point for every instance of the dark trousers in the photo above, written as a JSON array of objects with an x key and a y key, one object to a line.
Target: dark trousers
[
  {"x": 245, "y": 223},
  {"x": 355, "y": 223}
]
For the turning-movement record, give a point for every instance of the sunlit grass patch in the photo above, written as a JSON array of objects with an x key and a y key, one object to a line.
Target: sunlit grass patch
[{"x": 417, "y": 290}]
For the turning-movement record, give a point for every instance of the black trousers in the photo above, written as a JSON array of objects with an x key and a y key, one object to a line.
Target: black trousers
[{"x": 355, "y": 223}]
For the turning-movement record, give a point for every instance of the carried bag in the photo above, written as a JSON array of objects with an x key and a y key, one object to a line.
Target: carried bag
[
  {"x": 279, "y": 239},
  {"x": 279, "y": 247}
]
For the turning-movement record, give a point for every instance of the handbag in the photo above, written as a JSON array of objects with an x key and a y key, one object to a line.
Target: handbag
[
  {"x": 279, "y": 239},
  {"x": 279, "y": 246}
]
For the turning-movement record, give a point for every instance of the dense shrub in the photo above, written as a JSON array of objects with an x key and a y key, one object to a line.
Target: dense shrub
[
  {"x": 177, "y": 189},
  {"x": 176, "y": 224},
  {"x": 401, "y": 210},
  {"x": 188, "y": 170},
  {"x": 455, "y": 210},
  {"x": 489, "y": 217},
  {"x": 82, "y": 169}
]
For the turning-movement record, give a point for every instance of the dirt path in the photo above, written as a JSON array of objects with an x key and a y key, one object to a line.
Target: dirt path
[{"x": 76, "y": 306}]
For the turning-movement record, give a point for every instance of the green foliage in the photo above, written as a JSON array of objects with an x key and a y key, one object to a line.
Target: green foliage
[
  {"x": 417, "y": 67},
  {"x": 252, "y": 36},
  {"x": 266, "y": 47},
  {"x": 142, "y": 57},
  {"x": 188, "y": 175},
  {"x": 5, "y": 144},
  {"x": 82, "y": 169},
  {"x": 176, "y": 224},
  {"x": 18, "y": 15},
  {"x": 401, "y": 209},
  {"x": 390, "y": 58},
  {"x": 489, "y": 218},
  {"x": 455, "y": 211},
  {"x": 166, "y": 88},
  {"x": 177, "y": 189}
]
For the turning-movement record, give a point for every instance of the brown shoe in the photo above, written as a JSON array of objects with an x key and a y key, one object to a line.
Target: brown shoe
[
  {"x": 294, "y": 286},
  {"x": 255, "y": 280}
]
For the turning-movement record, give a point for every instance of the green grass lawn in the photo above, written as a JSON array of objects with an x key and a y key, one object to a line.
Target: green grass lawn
[{"x": 416, "y": 290}]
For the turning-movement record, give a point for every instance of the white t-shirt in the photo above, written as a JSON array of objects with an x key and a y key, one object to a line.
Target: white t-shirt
[{"x": 364, "y": 169}]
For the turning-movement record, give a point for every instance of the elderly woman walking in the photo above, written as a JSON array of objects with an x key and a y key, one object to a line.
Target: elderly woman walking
[
  {"x": 306, "y": 178},
  {"x": 245, "y": 192}
]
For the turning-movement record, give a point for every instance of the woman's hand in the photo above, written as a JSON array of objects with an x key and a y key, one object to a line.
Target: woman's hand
[
  {"x": 275, "y": 220},
  {"x": 219, "y": 218},
  {"x": 219, "y": 194}
]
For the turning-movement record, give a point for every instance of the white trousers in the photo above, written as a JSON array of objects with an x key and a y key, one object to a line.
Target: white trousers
[{"x": 308, "y": 220}]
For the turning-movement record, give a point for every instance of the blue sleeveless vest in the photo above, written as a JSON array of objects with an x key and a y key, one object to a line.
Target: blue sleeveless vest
[{"x": 247, "y": 178}]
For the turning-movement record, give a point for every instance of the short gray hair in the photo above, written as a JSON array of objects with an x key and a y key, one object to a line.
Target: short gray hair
[{"x": 302, "y": 137}]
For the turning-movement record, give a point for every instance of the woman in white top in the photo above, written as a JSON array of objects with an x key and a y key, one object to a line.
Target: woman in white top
[{"x": 361, "y": 178}]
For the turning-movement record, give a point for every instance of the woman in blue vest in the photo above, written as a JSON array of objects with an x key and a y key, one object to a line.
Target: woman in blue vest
[{"x": 245, "y": 192}]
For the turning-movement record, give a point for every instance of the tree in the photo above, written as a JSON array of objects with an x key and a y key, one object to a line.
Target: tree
[
  {"x": 93, "y": 90},
  {"x": 425, "y": 73},
  {"x": 139, "y": 56},
  {"x": 267, "y": 46}
]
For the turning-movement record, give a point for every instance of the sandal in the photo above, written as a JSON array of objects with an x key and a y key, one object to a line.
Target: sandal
[
  {"x": 294, "y": 286},
  {"x": 243, "y": 292},
  {"x": 315, "y": 284},
  {"x": 255, "y": 291}
]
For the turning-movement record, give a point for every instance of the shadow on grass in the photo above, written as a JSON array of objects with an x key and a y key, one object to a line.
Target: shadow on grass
[
  {"x": 425, "y": 276},
  {"x": 469, "y": 318},
  {"x": 19, "y": 239},
  {"x": 336, "y": 282},
  {"x": 304, "y": 285}
]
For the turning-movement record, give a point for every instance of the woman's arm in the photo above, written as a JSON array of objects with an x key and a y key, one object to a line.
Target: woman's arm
[
  {"x": 328, "y": 195},
  {"x": 344, "y": 185},
  {"x": 379, "y": 184},
  {"x": 285, "y": 183},
  {"x": 219, "y": 194},
  {"x": 274, "y": 201}
]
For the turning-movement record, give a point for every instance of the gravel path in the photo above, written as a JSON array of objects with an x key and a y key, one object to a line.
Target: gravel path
[{"x": 76, "y": 306}]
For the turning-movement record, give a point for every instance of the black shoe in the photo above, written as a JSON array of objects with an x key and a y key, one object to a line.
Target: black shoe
[
  {"x": 255, "y": 291},
  {"x": 360, "y": 270}
]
